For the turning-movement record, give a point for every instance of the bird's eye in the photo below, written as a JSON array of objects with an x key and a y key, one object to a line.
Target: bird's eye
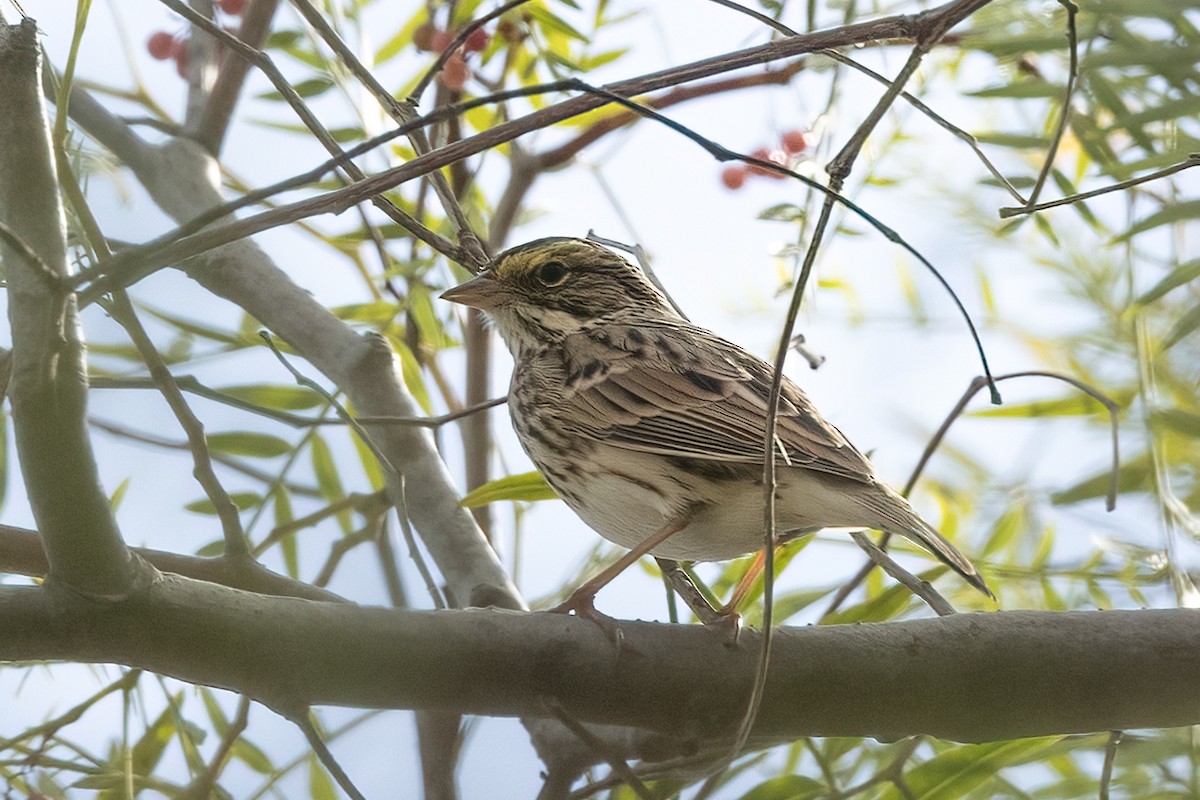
[{"x": 552, "y": 273}]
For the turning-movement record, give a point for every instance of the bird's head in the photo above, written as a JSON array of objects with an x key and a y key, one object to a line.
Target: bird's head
[{"x": 540, "y": 292}]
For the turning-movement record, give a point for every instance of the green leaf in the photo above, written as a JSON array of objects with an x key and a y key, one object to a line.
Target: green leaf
[
  {"x": 783, "y": 212},
  {"x": 278, "y": 397},
  {"x": 411, "y": 371},
  {"x": 370, "y": 464},
  {"x": 1025, "y": 89},
  {"x": 1134, "y": 477},
  {"x": 1018, "y": 140},
  {"x": 114, "y": 501},
  {"x": 216, "y": 714},
  {"x": 149, "y": 749},
  {"x": 242, "y": 500},
  {"x": 591, "y": 62},
  {"x": 328, "y": 479},
  {"x": 786, "y": 787},
  {"x": 288, "y": 544},
  {"x": 552, "y": 24},
  {"x": 311, "y": 87},
  {"x": 1008, "y": 527},
  {"x": 248, "y": 443},
  {"x": 1075, "y": 405},
  {"x": 526, "y": 487},
  {"x": 254, "y": 758},
  {"x": 194, "y": 328},
  {"x": 1178, "y": 420},
  {"x": 320, "y": 787},
  {"x": 1182, "y": 274},
  {"x": 958, "y": 771},
  {"x": 1184, "y": 327},
  {"x": 1185, "y": 211}
]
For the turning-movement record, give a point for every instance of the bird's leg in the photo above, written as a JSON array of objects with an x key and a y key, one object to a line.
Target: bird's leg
[
  {"x": 743, "y": 586},
  {"x": 726, "y": 618},
  {"x": 581, "y": 600}
]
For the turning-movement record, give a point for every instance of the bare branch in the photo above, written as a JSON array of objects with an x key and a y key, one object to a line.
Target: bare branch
[
  {"x": 49, "y": 383},
  {"x": 21, "y": 553},
  {"x": 966, "y": 677}
]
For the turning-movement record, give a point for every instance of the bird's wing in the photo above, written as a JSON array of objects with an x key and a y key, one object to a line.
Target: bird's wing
[{"x": 706, "y": 400}]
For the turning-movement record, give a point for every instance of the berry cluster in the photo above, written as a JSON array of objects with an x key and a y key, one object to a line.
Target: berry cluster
[
  {"x": 431, "y": 39},
  {"x": 163, "y": 46},
  {"x": 793, "y": 146}
]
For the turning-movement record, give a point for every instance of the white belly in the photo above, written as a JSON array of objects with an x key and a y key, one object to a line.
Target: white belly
[{"x": 625, "y": 507}]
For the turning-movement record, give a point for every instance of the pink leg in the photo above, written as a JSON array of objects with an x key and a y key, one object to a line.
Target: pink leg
[{"x": 581, "y": 600}]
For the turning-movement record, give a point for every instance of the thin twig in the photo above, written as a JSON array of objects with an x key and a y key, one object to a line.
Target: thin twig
[
  {"x": 202, "y": 787},
  {"x": 310, "y": 120},
  {"x": 1064, "y": 115},
  {"x": 920, "y": 588},
  {"x": 401, "y": 506},
  {"x": 325, "y": 756},
  {"x": 1110, "y": 758},
  {"x": 339, "y": 548},
  {"x": 597, "y": 746},
  {"x": 173, "y": 444},
  {"x": 402, "y": 113},
  {"x": 941, "y": 121},
  {"x": 25, "y": 250},
  {"x": 190, "y": 383},
  {"x": 935, "y": 441},
  {"x": 457, "y": 42},
  {"x": 161, "y": 255},
  {"x": 1192, "y": 160},
  {"x": 639, "y": 253},
  {"x": 832, "y": 194},
  {"x": 122, "y": 311}
]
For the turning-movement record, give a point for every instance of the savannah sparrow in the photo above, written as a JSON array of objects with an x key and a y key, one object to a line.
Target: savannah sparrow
[{"x": 651, "y": 428}]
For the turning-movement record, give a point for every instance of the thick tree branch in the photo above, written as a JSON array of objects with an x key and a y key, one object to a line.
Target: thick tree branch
[
  {"x": 966, "y": 677},
  {"x": 49, "y": 375}
]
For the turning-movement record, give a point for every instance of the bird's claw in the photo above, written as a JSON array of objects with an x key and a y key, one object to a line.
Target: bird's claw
[{"x": 582, "y": 604}]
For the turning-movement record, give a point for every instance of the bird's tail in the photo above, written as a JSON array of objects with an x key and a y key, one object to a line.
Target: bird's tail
[{"x": 898, "y": 518}]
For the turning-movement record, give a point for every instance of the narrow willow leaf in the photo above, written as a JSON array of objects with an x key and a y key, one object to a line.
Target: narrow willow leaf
[
  {"x": 957, "y": 772},
  {"x": 242, "y": 500},
  {"x": 278, "y": 397},
  {"x": 1180, "y": 275},
  {"x": 527, "y": 487},
  {"x": 329, "y": 481},
  {"x": 248, "y": 443},
  {"x": 1184, "y": 327},
  {"x": 114, "y": 501},
  {"x": 320, "y": 787}
]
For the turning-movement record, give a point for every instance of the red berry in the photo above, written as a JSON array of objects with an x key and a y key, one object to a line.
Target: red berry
[
  {"x": 762, "y": 154},
  {"x": 455, "y": 73},
  {"x": 733, "y": 177},
  {"x": 232, "y": 7},
  {"x": 161, "y": 45},
  {"x": 423, "y": 36},
  {"x": 477, "y": 40},
  {"x": 795, "y": 142},
  {"x": 440, "y": 41}
]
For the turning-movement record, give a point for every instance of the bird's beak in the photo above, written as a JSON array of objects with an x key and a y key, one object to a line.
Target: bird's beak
[{"x": 482, "y": 291}]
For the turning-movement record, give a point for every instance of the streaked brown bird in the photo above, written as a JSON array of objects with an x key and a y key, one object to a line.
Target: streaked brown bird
[{"x": 652, "y": 428}]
